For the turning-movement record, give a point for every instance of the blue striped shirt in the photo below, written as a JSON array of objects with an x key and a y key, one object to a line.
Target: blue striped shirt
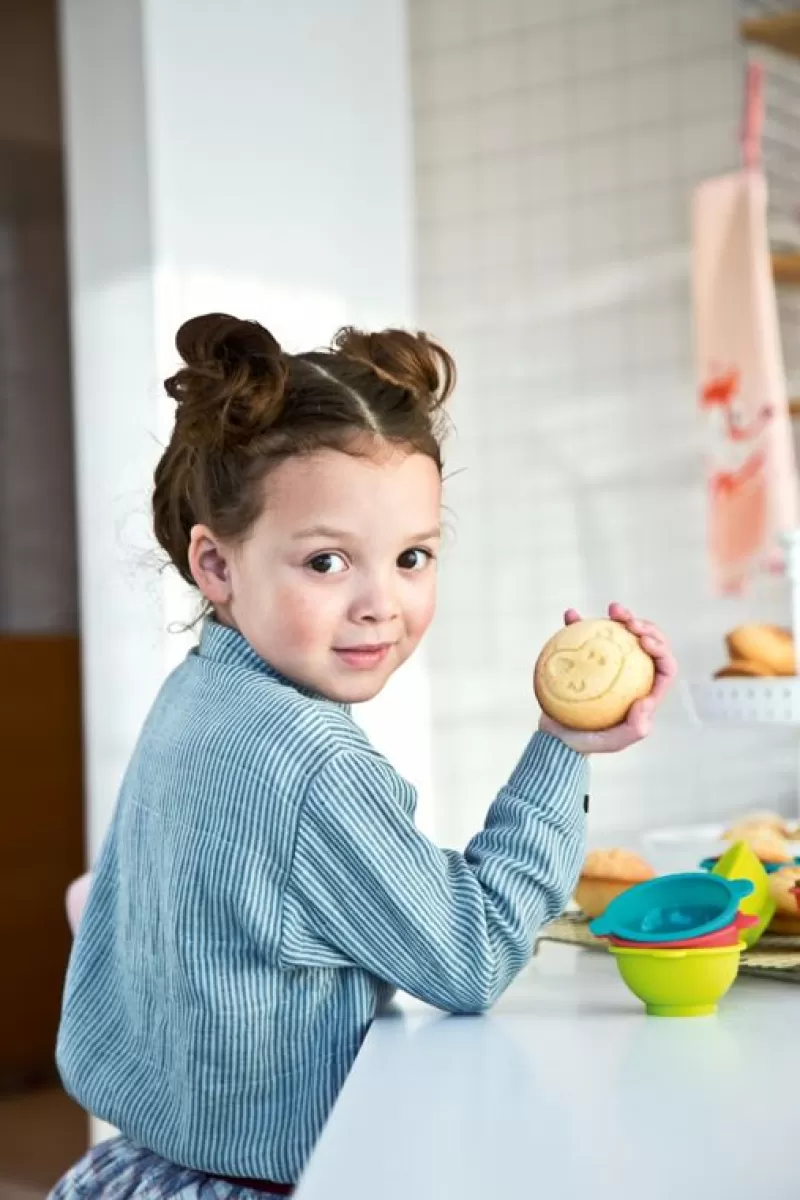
[{"x": 262, "y": 890}]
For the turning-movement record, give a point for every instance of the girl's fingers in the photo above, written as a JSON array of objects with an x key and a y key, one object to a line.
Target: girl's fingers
[
  {"x": 666, "y": 663},
  {"x": 618, "y": 612},
  {"x": 661, "y": 685},
  {"x": 637, "y": 725},
  {"x": 644, "y": 628},
  {"x": 640, "y": 717},
  {"x": 662, "y": 656},
  {"x": 655, "y": 644},
  {"x": 637, "y": 625}
]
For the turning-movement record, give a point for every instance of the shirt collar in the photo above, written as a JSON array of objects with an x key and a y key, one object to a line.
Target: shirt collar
[{"x": 220, "y": 643}]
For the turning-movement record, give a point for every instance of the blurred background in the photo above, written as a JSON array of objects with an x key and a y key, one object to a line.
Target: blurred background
[{"x": 514, "y": 176}]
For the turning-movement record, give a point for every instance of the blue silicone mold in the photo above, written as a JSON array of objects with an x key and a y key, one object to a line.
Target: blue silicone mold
[{"x": 672, "y": 908}]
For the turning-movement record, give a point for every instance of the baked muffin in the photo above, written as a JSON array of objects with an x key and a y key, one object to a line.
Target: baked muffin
[
  {"x": 590, "y": 673},
  {"x": 606, "y": 874}
]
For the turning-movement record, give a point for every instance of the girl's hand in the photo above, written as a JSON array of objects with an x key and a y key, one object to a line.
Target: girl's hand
[
  {"x": 77, "y": 895},
  {"x": 637, "y": 724}
]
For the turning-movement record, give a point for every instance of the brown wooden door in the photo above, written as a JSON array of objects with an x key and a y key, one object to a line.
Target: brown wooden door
[{"x": 41, "y": 845}]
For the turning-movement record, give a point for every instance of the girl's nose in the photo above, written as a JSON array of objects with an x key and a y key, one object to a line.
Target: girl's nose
[{"x": 376, "y": 602}]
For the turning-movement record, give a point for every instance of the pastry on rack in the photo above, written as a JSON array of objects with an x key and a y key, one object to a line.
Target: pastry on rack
[
  {"x": 606, "y": 874},
  {"x": 741, "y": 668},
  {"x": 768, "y": 646}
]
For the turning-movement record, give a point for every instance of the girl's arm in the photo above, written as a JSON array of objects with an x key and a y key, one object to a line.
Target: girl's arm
[{"x": 367, "y": 889}]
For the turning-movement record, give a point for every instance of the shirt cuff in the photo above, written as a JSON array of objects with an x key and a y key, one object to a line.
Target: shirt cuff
[{"x": 549, "y": 771}]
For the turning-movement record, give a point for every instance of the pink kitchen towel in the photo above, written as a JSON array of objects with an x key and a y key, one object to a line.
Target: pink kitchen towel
[{"x": 752, "y": 478}]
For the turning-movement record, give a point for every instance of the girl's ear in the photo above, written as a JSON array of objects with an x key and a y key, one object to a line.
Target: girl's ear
[{"x": 209, "y": 566}]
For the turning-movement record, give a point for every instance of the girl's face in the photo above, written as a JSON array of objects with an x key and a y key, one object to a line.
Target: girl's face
[{"x": 336, "y": 583}]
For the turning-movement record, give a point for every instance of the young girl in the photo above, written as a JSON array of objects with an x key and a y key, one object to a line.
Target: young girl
[{"x": 263, "y": 888}]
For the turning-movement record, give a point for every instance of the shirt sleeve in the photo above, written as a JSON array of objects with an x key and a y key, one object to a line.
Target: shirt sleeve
[{"x": 368, "y": 889}]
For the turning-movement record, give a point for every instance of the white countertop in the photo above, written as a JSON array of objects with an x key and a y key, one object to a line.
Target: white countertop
[{"x": 566, "y": 1089}]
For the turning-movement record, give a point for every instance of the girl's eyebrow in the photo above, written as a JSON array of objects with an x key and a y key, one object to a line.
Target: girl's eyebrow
[
  {"x": 327, "y": 531},
  {"x": 427, "y": 537}
]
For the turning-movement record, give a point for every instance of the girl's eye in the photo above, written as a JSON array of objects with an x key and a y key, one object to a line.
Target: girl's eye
[
  {"x": 327, "y": 564},
  {"x": 414, "y": 560}
]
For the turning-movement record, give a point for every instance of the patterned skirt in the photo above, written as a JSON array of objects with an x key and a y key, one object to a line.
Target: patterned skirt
[{"x": 118, "y": 1170}]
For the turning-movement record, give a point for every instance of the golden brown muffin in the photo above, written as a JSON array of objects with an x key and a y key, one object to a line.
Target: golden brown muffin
[
  {"x": 590, "y": 673},
  {"x": 766, "y": 644},
  {"x": 606, "y": 874}
]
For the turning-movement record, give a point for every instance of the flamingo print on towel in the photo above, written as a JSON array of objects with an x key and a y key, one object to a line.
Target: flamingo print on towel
[{"x": 737, "y": 481}]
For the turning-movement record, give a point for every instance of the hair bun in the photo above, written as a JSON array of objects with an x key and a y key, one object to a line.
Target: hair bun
[
  {"x": 232, "y": 384},
  {"x": 411, "y": 361}
]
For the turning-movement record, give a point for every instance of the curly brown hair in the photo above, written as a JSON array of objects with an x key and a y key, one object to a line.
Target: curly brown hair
[{"x": 244, "y": 405}]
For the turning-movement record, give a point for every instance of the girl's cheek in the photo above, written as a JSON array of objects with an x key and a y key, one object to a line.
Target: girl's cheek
[
  {"x": 303, "y": 613},
  {"x": 424, "y": 609}
]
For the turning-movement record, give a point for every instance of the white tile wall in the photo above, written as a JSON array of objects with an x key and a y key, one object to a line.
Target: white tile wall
[{"x": 556, "y": 147}]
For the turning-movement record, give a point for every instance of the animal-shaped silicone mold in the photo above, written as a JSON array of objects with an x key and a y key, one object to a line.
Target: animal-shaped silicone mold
[{"x": 590, "y": 673}]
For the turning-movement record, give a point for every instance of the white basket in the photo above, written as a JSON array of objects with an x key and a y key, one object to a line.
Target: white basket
[
  {"x": 745, "y": 701},
  {"x": 682, "y": 848}
]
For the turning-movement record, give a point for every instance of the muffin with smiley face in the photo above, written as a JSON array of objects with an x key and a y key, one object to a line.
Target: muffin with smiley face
[{"x": 590, "y": 673}]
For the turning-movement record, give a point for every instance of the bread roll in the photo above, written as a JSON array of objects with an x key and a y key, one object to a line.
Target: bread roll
[
  {"x": 589, "y": 674},
  {"x": 593, "y": 896},
  {"x": 765, "y": 644},
  {"x": 606, "y": 874}
]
